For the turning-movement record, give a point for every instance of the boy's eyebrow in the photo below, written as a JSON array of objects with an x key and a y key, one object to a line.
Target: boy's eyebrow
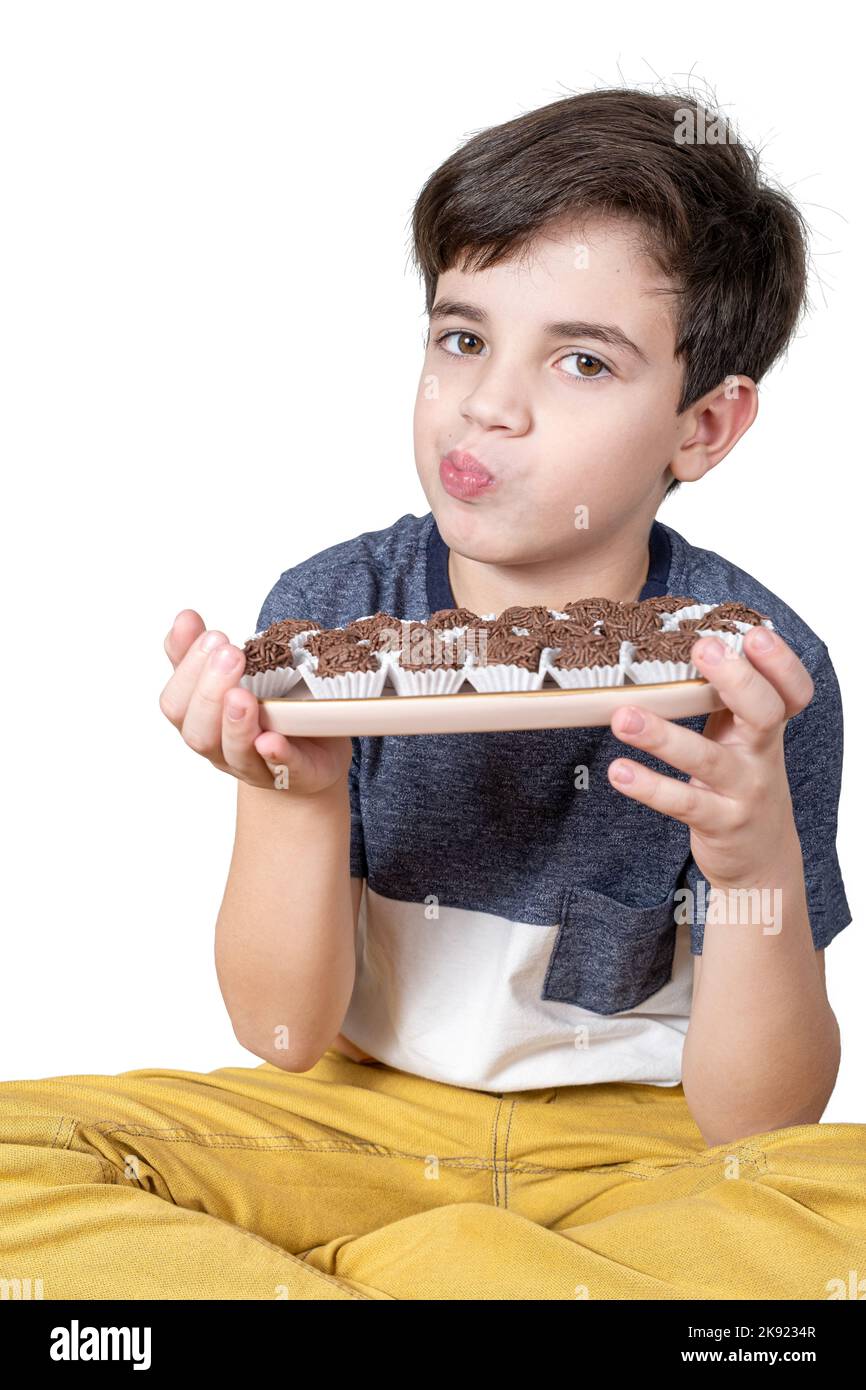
[{"x": 563, "y": 328}]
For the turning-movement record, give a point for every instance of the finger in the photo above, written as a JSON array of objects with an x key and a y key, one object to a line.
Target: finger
[
  {"x": 297, "y": 755},
  {"x": 305, "y": 764},
  {"x": 239, "y": 734},
  {"x": 282, "y": 760},
  {"x": 176, "y": 695},
  {"x": 748, "y": 694},
  {"x": 697, "y": 807},
  {"x": 184, "y": 630},
  {"x": 712, "y": 763},
  {"x": 202, "y": 724},
  {"x": 781, "y": 666}
]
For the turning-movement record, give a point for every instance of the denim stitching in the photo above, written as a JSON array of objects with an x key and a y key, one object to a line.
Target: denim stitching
[
  {"x": 475, "y": 1162},
  {"x": 746, "y": 1153},
  {"x": 300, "y": 1145},
  {"x": 380, "y": 1151},
  {"x": 493, "y": 1133},
  {"x": 505, "y": 1154}
]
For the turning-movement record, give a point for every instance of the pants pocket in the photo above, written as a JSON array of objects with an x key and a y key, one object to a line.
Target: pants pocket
[{"x": 609, "y": 956}]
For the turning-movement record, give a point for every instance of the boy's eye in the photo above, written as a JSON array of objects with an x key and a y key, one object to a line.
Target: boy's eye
[
  {"x": 470, "y": 345},
  {"x": 466, "y": 337},
  {"x": 596, "y": 367}
]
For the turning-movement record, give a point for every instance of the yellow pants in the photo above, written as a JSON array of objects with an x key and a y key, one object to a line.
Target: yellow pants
[{"x": 356, "y": 1180}]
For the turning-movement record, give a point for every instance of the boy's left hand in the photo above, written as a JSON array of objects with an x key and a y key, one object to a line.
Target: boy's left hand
[{"x": 737, "y": 803}]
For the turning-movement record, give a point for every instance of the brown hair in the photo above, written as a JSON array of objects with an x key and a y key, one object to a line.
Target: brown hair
[{"x": 734, "y": 247}]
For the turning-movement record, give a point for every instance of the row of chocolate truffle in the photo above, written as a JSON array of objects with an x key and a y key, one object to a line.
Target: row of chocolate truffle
[
  {"x": 269, "y": 649},
  {"x": 591, "y": 642}
]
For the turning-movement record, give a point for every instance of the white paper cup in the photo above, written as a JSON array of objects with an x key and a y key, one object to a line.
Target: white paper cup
[
  {"x": 730, "y": 639},
  {"x": 501, "y": 676},
  {"x": 270, "y": 685},
  {"x": 584, "y": 677},
  {"x": 434, "y": 680},
  {"x": 655, "y": 672},
  {"x": 348, "y": 685}
]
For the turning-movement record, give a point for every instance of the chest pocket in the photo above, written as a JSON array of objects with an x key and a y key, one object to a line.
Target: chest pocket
[{"x": 608, "y": 956}]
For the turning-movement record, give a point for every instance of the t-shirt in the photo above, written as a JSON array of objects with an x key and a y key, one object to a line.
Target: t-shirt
[{"x": 517, "y": 926}]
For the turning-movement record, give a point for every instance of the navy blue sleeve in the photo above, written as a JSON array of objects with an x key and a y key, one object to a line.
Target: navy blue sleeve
[
  {"x": 286, "y": 600},
  {"x": 813, "y": 759}
]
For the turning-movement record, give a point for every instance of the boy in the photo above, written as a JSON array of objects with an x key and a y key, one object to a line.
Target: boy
[{"x": 457, "y": 951}]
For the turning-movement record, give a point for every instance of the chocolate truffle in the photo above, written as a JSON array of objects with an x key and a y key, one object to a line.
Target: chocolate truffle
[
  {"x": 500, "y": 649},
  {"x": 558, "y": 631},
  {"x": 531, "y": 617},
  {"x": 452, "y": 617},
  {"x": 664, "y": 646},
  {"x": 631, "y": 620},
  {"x": 266, "y": 653},
  {"x": 736, "y": 612},
  {"x": 589, "y": 608},
  {"x": 369, "y": 628},
  {"x": 708, "y": 621},
  {"x": 351, "y": 656},
  {"x": 271, "y": 649},
  {"x": 327, "y": 639},
  {"x": 588, "y": 651}
]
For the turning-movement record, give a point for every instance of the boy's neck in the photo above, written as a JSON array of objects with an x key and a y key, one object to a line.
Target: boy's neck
[{"x": 618, "y": 574}]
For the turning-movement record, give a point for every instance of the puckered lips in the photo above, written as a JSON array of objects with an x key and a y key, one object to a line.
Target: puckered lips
[{"x": 464, "y": 476}]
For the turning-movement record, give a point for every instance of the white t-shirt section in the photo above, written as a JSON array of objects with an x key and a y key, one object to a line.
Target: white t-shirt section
[{"x": 456, "y": 997}]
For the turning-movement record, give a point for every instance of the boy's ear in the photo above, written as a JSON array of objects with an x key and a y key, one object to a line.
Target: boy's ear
[{"x": 712, "y": 426}]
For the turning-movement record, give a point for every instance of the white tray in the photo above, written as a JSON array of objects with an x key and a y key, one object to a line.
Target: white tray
[{"x": 470, "y": 711}]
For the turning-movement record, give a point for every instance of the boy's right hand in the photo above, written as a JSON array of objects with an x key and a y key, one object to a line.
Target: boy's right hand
[{"x": 201, "y": 697}]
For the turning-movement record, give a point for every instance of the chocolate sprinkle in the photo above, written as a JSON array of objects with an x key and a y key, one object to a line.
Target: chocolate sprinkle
[
  {"x": 339, "y": 660},
  {"x": 702, "y": 624},
  {"x": 738, "y": 612},
  {"x": 424, "y": 648},
  {"x": 583, "y": 653},
  {"x": 266, "y": 653},
  {"x": 452, "y": 617},
  {"x": 369, "y": 628},
  {"x": 561, "y": 630},
  {"x": 589, "y": 608},
  {"x": 271, "y": 650},
  {"x": 632, "y": 620},
  {"x": 522, "y": 617},
  {"x": 664, "y": 646},
  {"x": 328, "y": 639},
  {"x": 501, "y": 649}
]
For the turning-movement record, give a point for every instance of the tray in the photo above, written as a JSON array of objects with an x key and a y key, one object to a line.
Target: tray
[{"x": 300, "y": 714}]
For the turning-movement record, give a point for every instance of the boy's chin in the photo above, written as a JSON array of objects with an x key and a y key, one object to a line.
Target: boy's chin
[{"x": 481, "y": 537}]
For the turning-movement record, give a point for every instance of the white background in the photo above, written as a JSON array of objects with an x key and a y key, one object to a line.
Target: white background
[{"x": 206, "y": 299}]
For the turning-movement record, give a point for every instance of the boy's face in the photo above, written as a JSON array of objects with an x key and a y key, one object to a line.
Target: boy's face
[{"x": 562, "y": 420}]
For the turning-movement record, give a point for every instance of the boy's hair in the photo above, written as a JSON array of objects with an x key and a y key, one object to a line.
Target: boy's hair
[{"x": 735, "y": 248}]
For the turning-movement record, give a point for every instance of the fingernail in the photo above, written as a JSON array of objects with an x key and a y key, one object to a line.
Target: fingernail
[
  {"x": 224, "y": 659},
  {"x": 209, "y": 641},
  {"x": 235, "y": 711},
  {"x": 622, "y": 773},
  {"x": 633, "y": 722},
  {"x": 711, "y": 649},
  {"x": 762, "y": 640}
]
